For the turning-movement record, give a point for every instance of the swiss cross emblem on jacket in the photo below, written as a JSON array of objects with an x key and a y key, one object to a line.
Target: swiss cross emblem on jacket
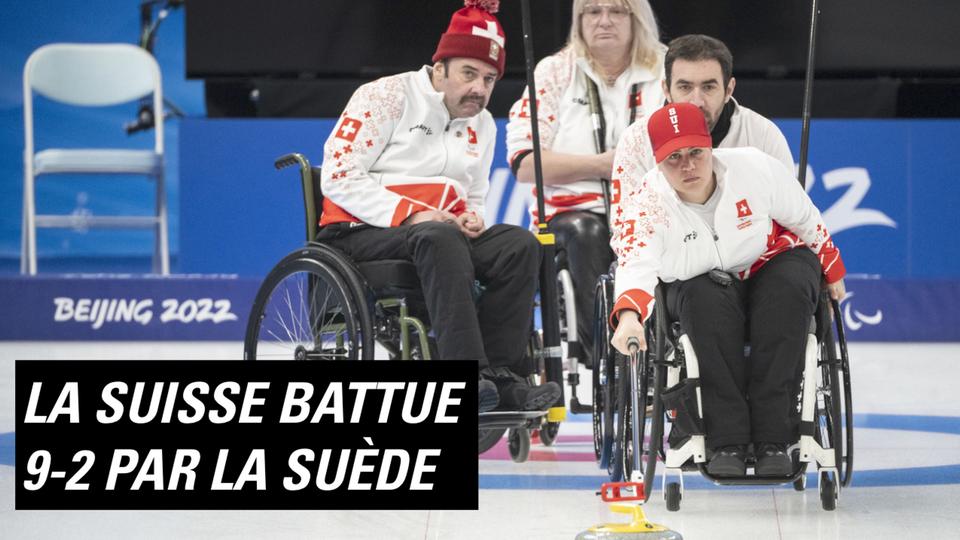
[
  {"x": 348, "y": 128},
  {"x": 743, "y": 209}
]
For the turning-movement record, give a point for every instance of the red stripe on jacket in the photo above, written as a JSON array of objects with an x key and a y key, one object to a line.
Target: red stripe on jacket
[
  {"x": 781, "y": 239},
  {"x": 417, "y": 197}
]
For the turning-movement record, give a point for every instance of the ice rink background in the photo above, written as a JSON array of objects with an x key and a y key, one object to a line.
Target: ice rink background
[{"x": 905, "y": 484}]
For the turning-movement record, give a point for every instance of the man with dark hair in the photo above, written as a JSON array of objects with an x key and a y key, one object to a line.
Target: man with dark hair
[
  {"x": 698, "y": 69},
  {"x": 696, "y": 47},
  {"x": 405, "y": 174}
]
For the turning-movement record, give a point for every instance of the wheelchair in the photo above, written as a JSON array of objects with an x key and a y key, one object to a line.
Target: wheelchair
[
  {"x": 600, "y": 406},
  {"x": 603, "y": 367},
  {"x": 318, "y": 304},
  {"x": 650, "y": 407},
  {"x": 573, "y": 350}
]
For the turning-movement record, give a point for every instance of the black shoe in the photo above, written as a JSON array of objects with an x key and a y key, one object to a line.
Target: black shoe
[
  {"x": 772, "y": 460},
  {"x": 728, "y": 461},
  {"x": 520, "y": 396},
  {"x": 489, "y": 397}
]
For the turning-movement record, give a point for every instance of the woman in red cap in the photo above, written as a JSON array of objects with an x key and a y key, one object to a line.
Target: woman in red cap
[{"x": 740, "y": 248}]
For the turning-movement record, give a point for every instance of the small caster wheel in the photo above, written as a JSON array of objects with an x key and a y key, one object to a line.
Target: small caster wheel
[
  {"x": 828, "y": 493},
  {"x": 800, "y": 484},
  {"x": 673, "y": 496},
  {"x": 548, "y": 433},
  {"x": 518, "y": 441}
]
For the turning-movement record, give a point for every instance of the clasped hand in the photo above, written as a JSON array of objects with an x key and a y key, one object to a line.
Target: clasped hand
[{"x": 470, "y": 224}]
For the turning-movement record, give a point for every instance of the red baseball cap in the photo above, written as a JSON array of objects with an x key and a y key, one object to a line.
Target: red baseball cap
[{"x": 675, "y": 126}]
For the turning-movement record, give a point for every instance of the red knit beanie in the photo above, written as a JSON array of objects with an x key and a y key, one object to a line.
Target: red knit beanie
[{"x": 474, "y": 33}]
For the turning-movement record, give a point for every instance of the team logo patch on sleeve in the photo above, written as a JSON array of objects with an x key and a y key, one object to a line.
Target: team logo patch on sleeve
[{"x": 348, "y": 129}]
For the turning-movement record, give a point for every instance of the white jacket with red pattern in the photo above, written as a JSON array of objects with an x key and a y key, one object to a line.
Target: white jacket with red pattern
[
  {"x": 566, "y": 125},
  {"x": 762, "y": 211},
  {"x": 396, "y": 151}
]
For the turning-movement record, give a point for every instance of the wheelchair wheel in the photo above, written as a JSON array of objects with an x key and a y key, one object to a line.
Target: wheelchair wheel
[
  {"x": 548, "y": 433},
  {"x": 655, "y": 362},
  {"x": 656, "y": 377},
  {"x": 844, "y": 366},
  {"x": 625, "y": 418},
  {"x": 309, "y": 308},
  {"x": 646, "y": 416},
  {"x": 604, "y": 370},
  {"x": 620, "y": 388},
  {"x": 488, "y": 438},
  {"x": 834, "y": 408}
]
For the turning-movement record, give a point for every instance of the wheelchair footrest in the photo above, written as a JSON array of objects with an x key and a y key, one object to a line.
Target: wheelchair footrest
[
  {"x": 753, "y": 480},
  {"x": 580, "y": 408},
  {"x": 507, "y": 419}
]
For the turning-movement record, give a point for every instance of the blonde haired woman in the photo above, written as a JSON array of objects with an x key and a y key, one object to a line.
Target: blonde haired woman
[{"x": 610, "y": 67}]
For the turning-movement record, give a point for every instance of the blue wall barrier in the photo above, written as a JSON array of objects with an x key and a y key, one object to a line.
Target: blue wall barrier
[
  {"x": 886, "y": 189},
  {"x": 212, "y": 307},
  {"x": 121, "y": 308}
]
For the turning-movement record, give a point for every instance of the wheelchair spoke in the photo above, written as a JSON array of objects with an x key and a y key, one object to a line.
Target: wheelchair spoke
[
  {"x": 290, "y": 328},
  {"x": 291, "y": 333},
  {"x": 305, "y": 315}
]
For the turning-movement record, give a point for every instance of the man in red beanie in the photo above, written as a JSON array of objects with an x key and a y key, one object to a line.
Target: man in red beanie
[
  {"x": 405, "y": 175},
  {"x": 739, "y": 245}
]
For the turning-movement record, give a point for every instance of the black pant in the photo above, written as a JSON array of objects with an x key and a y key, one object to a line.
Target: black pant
[
  {"x": 585, "y": 239},
  {"x": 751, "y": 399},
  {"x": 506, "y": 261}
]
